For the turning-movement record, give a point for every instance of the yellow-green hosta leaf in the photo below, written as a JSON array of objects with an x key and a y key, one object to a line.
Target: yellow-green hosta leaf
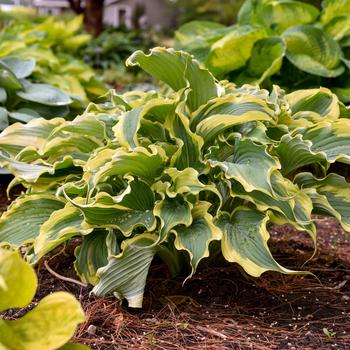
[
  {"x": 91, "y": 255},
  {"x": 332, "y": 197},
  {"x": 334, "y": 8},
  {"x": 313, "y": 51},
  {"x": 140, "y": 162},
  {"x": 234, "y": 49},
  {"x": 48, "y": 326},
  {"x": 292, "y": 204},
  {"x": 18, "y": 281},
  {"x": 132, "y": 208},
  {"x": 330, "y": 138},
  {"x": 251, "y": 165},
  {"x": 130, "y": 122},
  {"x": 172, "y": 212},
  {"x": 195, "y": 238},
  {"x": 294, "y": 153},
  {"x": 183, "y": 71},
  {"x": 21, "y": 223},
  {"x": 225, "y": 112},
  {"x": 125, "y": 274},
  {"x": 245, "y": 240},
  {"x": 189, "y": 143},
  {"x": 58, "y": 228},
  {"x": 35, "y": 133},
  {"x": 321, "y": 101}
]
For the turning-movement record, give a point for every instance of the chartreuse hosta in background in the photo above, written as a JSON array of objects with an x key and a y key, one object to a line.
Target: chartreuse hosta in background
[
  {"x": 49, "y": 325},
  {"x": 287, "y": 42},
  {"x": 203, "y": 166},
  {"x": 53, "y": 44}
]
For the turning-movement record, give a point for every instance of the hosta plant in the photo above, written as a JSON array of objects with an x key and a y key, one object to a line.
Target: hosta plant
[
  {"x": 49, "y": 325},
  {"x": 200, "y": 168},
  {"x": 286, "y": 42},
  {"x": 21, "y": 99}
]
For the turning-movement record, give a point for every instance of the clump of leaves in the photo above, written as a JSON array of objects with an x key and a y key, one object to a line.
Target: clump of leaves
[
  {"x": 21, "y": 99},
  {"x": 203, "y": 167},
  {"x": 53, "y": 44},
  {"x": 290, "y": 43},
  {"x": 49, "y": 325}
]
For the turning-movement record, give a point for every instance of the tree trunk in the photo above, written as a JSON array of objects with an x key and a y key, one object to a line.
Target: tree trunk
[{"x": 93, "y": 14}]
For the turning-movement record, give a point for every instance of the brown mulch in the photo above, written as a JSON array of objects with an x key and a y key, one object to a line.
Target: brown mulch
[{"x": 223, "y": 308}]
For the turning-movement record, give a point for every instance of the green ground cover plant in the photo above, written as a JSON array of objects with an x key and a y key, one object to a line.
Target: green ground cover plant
[
  {"x": 289, "y": 43},
  {"x": 200, "y": 168},
  {"x": 49, "y": 325}
]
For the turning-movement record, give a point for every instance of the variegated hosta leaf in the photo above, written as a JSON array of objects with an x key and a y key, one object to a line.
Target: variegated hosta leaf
[
  {"x": 225, "y": 112},
  {"x": 126, "y": 273},
  {"x": 294, "y": 153},
  {"x": 291, "y": 206},
  {"x": 251, "y": 165},
  {"x": 15, "y": 273},
  {"x": 58, "y": 228},
  {"x": 321, "y": 101},
  {"x": 195, "y": 238},
  {"x": 183, "y": 71},
  {"x": 48, "y": 326},
  {"x": 132, "y": 208},
  {"x": 313, "y": 51},
  {"x": 92, "y": 254},
  {"x": 332, "y": 195},
  {"x": 21, "y": 223},
  {"x": 172, "y": 212},
  {"x": 141, "y": 162},
  {"x": 36, "y": 132},
  {"x": 329, "y": 138},
  {"x": 189, "y": 144},
  {"x": 245, "y": 239}
]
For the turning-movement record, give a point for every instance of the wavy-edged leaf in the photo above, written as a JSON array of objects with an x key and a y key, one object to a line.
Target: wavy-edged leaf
[
  {"x": 313, "y": 51},
  {"x": 141, "y": 162},
  {"x": 126, "y": 273},
  {"x": 183, "y": 71},
  {"x": 294, "y": 153},
  {"x": 242, "y": 166},
  {"x": 21, "y": 223},
  {"x": 291, "y": 205},
  {"x": 330, "y": 138},
  {"x": 18, "y": 136},
  {"x": 15, "y": 273},
  {"x": 195, "y": 239},
  {"x": 172, "y": 212},
  {"x": 228, "y": 111},
  {"x": 48, "y": 326},
  {"x": 245, "y": 240},
  {"x": 332, "y": 197},
  {"x": 58, "y": 228}
]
